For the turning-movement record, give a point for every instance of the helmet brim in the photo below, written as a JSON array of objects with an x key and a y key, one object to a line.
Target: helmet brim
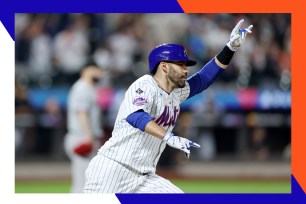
[{"x": 190, "y": 63}]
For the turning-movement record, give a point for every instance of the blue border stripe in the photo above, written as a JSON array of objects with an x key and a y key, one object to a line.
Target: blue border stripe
[
  {"x": 207, "y": 198},
  {"x": 297, "y": 196},
  {"x": 7, "y": 16},
  {"x": 9, "y": 8},
  {"x": 98, "y": 6}
]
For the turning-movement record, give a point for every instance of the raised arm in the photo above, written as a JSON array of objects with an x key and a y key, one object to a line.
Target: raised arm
[{"x": 207, "y": 75}]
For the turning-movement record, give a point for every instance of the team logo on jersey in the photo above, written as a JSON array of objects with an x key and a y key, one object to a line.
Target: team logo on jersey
[
  {"x": 140, "y": 101},
  {"x": 165, "y": 120},
  {"x": 139, "y": 91}
]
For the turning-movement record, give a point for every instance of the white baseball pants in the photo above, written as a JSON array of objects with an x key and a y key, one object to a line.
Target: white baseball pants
[{"x": 104, "y": 175}]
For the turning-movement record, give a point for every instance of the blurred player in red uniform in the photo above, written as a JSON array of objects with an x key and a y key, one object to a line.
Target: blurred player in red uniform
[{"x": 84, "y": 124}]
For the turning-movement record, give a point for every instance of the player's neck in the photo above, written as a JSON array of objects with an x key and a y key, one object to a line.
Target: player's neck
[
  {"x": 164, "y": 83},
  {"x": 87, "y": 80}
]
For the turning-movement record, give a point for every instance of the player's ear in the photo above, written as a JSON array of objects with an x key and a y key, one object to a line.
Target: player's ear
[{"x": 164, "y": 67}]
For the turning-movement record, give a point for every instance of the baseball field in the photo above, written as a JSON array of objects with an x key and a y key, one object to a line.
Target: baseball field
[{"x": 188, "y": 186}]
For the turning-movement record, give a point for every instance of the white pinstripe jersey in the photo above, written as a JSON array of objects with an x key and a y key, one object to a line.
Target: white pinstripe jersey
[{"x": 130, "y": 146}]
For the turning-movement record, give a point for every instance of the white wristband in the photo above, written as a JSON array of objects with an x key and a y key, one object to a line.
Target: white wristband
[{"x": 167, "y": 135}]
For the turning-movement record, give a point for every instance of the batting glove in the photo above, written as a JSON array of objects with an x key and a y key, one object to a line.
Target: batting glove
[
  {"x": 238, "y": 36},
  {"x": 179, "y": 143}
]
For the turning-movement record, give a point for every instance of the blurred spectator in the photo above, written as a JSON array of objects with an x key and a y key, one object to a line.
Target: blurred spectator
[
  {"x": 71, "y": 49},
  {"x": 258, "y": 149},
  {"x": 287, "y": 152},
  {"x": 122, "y": 44},
  {"x": 104, "y": 58},
  {"x": 209, "y": 115},
  {"x": 21, "y": 99},
  {"x": 40, "y": 54},
  {"x": 23, "y": 117},
  {"x": 51, "y": 124},
  {"x": 257, "y": 146},
  {"x": 163, "y": 27}
]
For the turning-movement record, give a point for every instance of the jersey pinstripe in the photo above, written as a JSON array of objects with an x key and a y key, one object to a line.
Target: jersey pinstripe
[{"x": 130, "y": 146}]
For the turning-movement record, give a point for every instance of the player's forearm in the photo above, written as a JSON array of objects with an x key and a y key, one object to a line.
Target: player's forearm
[
  {"x": 153, "y": 129},
  {"x": 144, "y": 122}
]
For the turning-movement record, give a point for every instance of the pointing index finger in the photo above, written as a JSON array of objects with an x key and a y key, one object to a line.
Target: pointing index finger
[
  {"x": 237, "y": 27},
  {"x": 193, "y": 144}
]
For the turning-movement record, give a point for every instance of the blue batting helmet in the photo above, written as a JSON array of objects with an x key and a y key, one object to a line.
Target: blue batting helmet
[{"x": 168, "y": 52}]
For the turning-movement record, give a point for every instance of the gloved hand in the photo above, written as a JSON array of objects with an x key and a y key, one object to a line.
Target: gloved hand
[
  {"x": 238, "y": 36},
  {"x": 83, "y": 149},
  {"x": 179, "y": 143}
]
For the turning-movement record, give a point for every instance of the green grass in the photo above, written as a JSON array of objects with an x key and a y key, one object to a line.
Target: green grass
[
  {"x": 42, "y": 187},
  {"x": 187, "y": 186}
]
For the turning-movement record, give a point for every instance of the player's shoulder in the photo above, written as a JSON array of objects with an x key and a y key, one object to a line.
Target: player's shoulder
[
  {"x": 144, "y": 85},
  {"x": 180, "y": 90},
  {"x": 80, "y": 87},
  {"x": 182, "y": 93},
  {"x": 145, "y": 81}
]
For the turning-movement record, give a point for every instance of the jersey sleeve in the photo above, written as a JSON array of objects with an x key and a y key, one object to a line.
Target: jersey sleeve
[
  {"x": 80, "y": 100},
  {"x": 139, "y": 96}
]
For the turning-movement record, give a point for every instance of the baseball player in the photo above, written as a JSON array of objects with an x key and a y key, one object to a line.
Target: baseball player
[
  {"x": 126, "y": 163},
  {"x": 84, "y": 128}
]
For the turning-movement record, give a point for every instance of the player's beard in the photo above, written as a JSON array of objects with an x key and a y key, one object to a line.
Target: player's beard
[
  {"x": 176, "y": 78},
  {"x": 95, "y": 80}
]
